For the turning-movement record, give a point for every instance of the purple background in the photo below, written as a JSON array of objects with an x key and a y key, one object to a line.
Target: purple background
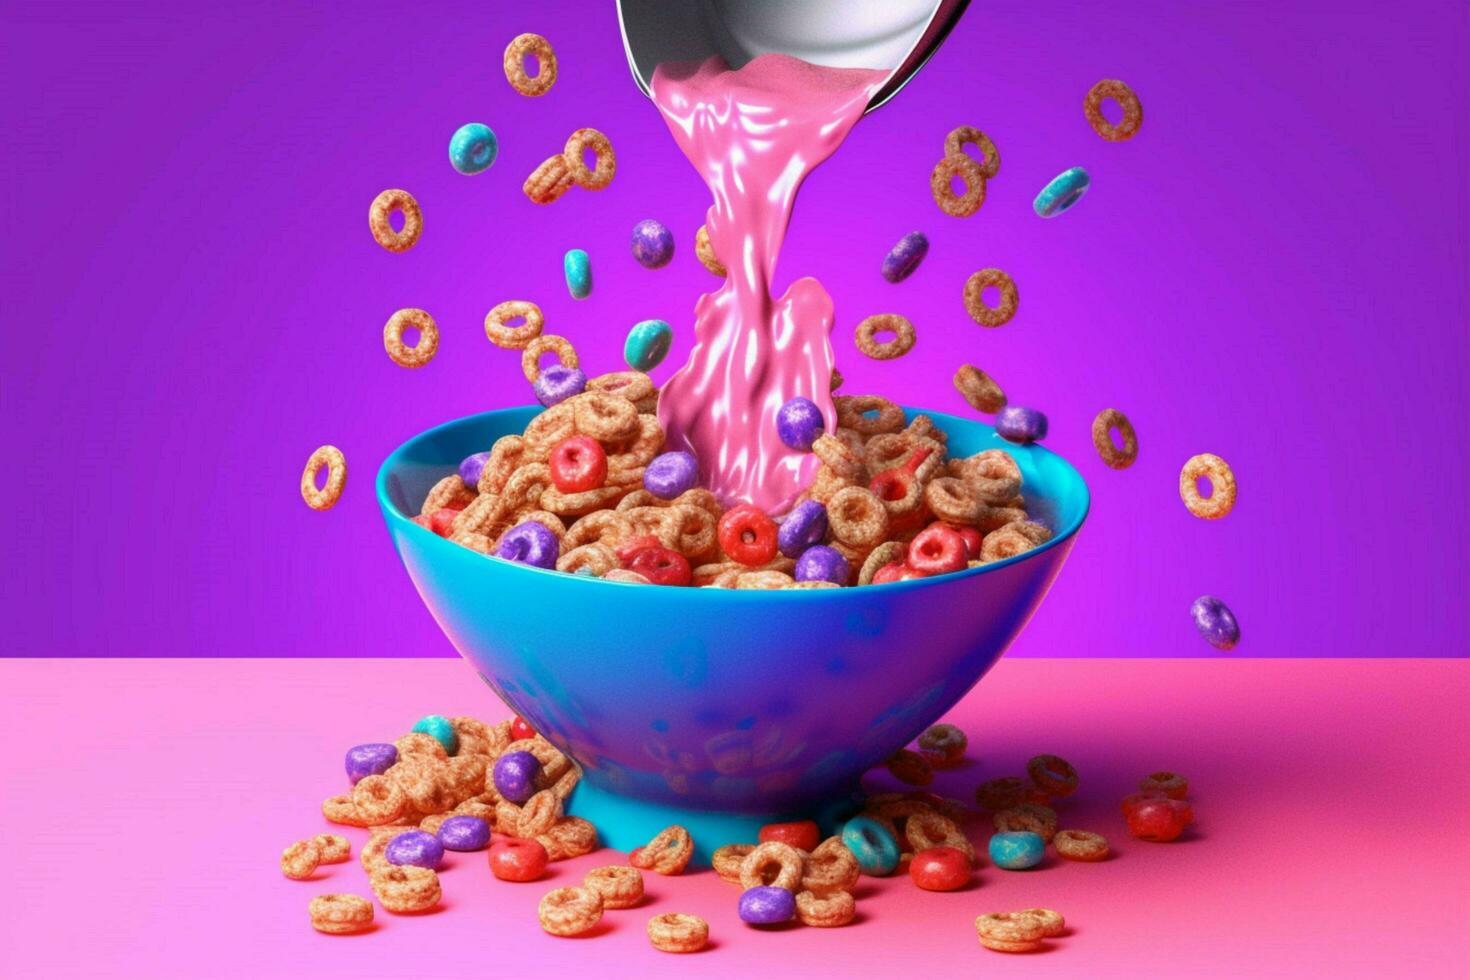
[{"x": 1274, "y": 270}]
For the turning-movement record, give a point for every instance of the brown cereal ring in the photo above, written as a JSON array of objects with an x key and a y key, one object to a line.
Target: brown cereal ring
[
  {"x": 763, "y": 581},
  {"x": 506, "y": 456},
  {"x": 371, "y": 856},
  {"x": 515, "y": 64},
  {"x": 1005, "y": 542},
  {"x": 837, "y": 380},
  {"x": 632, "y": 385},
  {"x": 910, "y": 767},
  {"x": 857, "y": 517},
  {"x": 1102, "y": 438},
  {"x": 531, "y": 355},
  {"x": 324, "y": 499},
  {"x": 705, "y": 252},
  {"x": 1053, "y": 774},
  {"x": 433, "y": 822},
  {"x": 838, "y": 456},
  {"x": 603, "y": 416},
  {"x": 507, "y": 818},
  {"x": 954, "y": 144},
  {"x": 339, "y": 809},
  {"x": 474, "y": 736},
  {"x": 702, "y": 499},
  {"x": 625, "y": 575},
  {"x": 1171, "y": 784},
  {"x": 855, "y": 441},
  {"x": 467, "y": 771},
  {"x": 538, "y": 814},
  {"x": 514, "y": 338},
  {"x": 696, "y": 529},
  {"x": 334, "y": 849},
  {"x": 300, "y": 860},
  {"x": 852, "y": 413},
  {"x": 901, "y": 328},
  {"x": 1222, "y": 483},
  {"x": 668, "y": 853},
  {"x": 1119, "y": 92},
  {"x": 1080, "y": 845},
  {"x": 596, "y": 556},
  {"x": 568, "y": 781},
  {"x": 526, "y": 486},
  {"x": 830, "y": 868},
  {"x": 676, "y": 932},
  {"x": 992, "y": 474},
  {"x": 569, "y": 837},
  {"x": 549, "y": 181},
  {"x": 569, "y": 911},
  {"x": 413, "y": 220},
  {"x": 979, "y": 389},
  {"x": 1052, "y": 922},
  {"x": 952, "y": 499},
  {"x": 418, "y": 743},
  {"x": 828, "y": 911},
  {"x": 991, "y": 316},
  {"x": 1027, "y": 816},
  {"x": 1010, "y": 932},
  {"x": 578, "y": 504},
  {"x": 941, "y": 185},
  {"x": 949, "y": 740},
  {"x": 340, "y": 915},
  {"x": 999, "y": 794},
  {"x": 772, "y": 863},
  {"x": 599, "y": 176},
  {"x": 547, "y": 429},
  {"x": 419, "y": 354},
  {"x": 378, "y": 799},
  {"x": 448, "y": 492},
  {"x": 619, "y": 886},
  {"x": 926, "y": 830},
  {"x": 406, "y": 888},
  {"x": 727, "y": 861},
  {"x": 902, "y": 492},
  {"x": 885, "y": 554},
  {"x": 606, "y": 527}
]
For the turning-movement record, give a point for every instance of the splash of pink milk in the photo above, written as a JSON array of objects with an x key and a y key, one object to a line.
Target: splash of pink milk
[{"x": 754, "y": 134}]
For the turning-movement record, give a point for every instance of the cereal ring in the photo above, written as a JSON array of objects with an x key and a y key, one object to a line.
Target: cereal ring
[
  {"x": 420, "y": 743},
  {"x": 333, "y": 849},
  {"x": 705, "y": 252},
  {"x": 383, "y": 207},
  {"x": 948, "y": 740},
  {"x": 828, "y": 911},
  {"x": 1053, "y": 774},
  {"x": 830, "y": 868},
  {"x": 603, "y": 416},
  {"x": 378, "y": 799},
  {"x": 900, "y": 327},
  {"x": 857, "y": 517},
  {"x": 606, "y": 527},
  {"x": 838, "y": 457},
  {"x": 569, "y": 911},
  {"x": 1005, "y": 542},
  {"x": 837, "y": 380},
  {"x": 596, "y": 557},
  {"x": 853, "y": 413},
  {"x": 954, "y": 145},
  {"x": 619, "y": 886},
  {"x": 569, "y": 837},
  {"x": 340, "y": 915},
  {"x": 448, "y": 492},
  {"x": 598, "y": 176},
  {"x": 728, "y": 859},
  {"x": 549, "y": 181},
  {"x": 1102, "y": 438},
  {"x": 514, "y": 338},
  {"x": 1119, "y": 92},
  {"x": 1031, "y": 817},
  {"x": 979, "y": 389},
  {"x": 675, "y": 932},
  {"x": 941, "y": 185},
  {"x": 420, "y": 353},
  {"x": 999, "y": 794},
  {"x": 1171, "y": 784},
  {"x": 406, "y": 888},
  {"x": 992, "y": 474},
  {"x": 1080, "y": 845},
  {"x": 531, "y": 354},
  {"x": 763, "y": 580},
  {"x": 339, "y": 809},
  {"x": 1061, "y": 192},
  {"x": 772, "y": 863},
  {"x": 885, "y": 554},
  {"x": 991, "y": 316},
  {"x": 632, "y": 385},
  {"x": 1010, "y": 932},
  {"x": 325, "y": 498},
  {"x": 515, "y": 64},
  {"x": 668, "y": 853},
  {"x": 926, "y": 830},
  {"x": 953, "y": 500},
  {"x": 300, "y": 860},
  {"x": 910, "y": 767},
  {"x": 1052, "y": 922},
  {"x": 1222, "y": 486}
]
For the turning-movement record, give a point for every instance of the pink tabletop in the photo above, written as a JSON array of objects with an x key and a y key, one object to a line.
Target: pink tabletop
[{"x": 146, "y": 803}]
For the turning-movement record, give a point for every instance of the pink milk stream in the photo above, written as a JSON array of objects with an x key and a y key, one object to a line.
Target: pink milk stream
[{"x": 754, "y": 135}]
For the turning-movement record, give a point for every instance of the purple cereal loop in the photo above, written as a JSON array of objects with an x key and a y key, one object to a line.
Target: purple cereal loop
[
  {"x": 471, "y": 467},
  {"x": 515, "y": 775},
  {"x": 803, "y": 527},
  {"x": 799, "y": 422},
  {"x": 905, "y": 257},
  {"x": 464, "y": 833},
  {"x": 530, "y": 543},
  {"x": 820, "y": 563},
  {"x": 370, "y": 759},
  {"x": 1017, "y": 424},
  {"x": 416, "y": 847},
  {"x": 1215, "y": 622},
  {"x": 670, "y": 474},
  {"x": 653, "y": 244},
  {"x": 766, "y": 905},
  {"x": 556, "y": 384}
]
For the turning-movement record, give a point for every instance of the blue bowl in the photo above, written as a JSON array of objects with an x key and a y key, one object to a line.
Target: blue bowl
[{"x": 714, "y": 708}]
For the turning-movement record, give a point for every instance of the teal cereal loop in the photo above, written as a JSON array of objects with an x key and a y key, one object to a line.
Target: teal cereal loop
[
  {"x": 1065, "y": 190},
  {"x": 578, "y": 268},
  {"x": 441, "y": 730},
  {"x": 472, "y": 148},
  {"x": 873, "y": 846},
  {"x": 647, "y": 344}
]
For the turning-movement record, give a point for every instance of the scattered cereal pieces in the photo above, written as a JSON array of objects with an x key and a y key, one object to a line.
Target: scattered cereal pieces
[
  {"x": 1102, "y": 438},
  {"x": 1015, "y": 423},
  {"x": 339, "y": 915},
  {"x": 1159, "y": 820},
  {"x": 1033, "y": 817},
  {"x": 979, "y": 389},
  {"x": 667, "y": 854},
  {"x": 767, "y": 905},
  {"x": 705, "y": 252},
  {"x": 619, "y": 886},
  {"x": 578, "y": 269},
  {"x": 961, "y": 136},
  {"x": 1063, "y": 191},
  {"x": 949, "y": 741},
  {"x": 1016, "y": 850},
  {"x": 333, "y": 848},
  {"x": 872, "y": 845},
  {"x": 549, "y": 181},
  {"x": 648, "y": 344},
  {"x": 1171, "y": 784},
  {"x": 1080, "y": 845},
  {"x": 904, "y": 258},
  {"x": 473, "y": 148},
  {"x": 1215, "y": 622},
  {"x": 502, "y": 334},
  {"x": 420, "y": 353},
  {"x": 653, "y": 244},
  {"x": 1119, "y": 92},
  {"x": 601, "y": 173},
  {"x": 405, "y": 888},
  {"x": 1053, "y": 774},
  {"x": 991, "y": 316},
  {"x": 1010, "y": 932},
  {"x": 569, "y": 911},
  {"x": 299, "y": 861},
  {"x": 1222, "y": 486},
  {"x": 336, "y": 465},
  {"x": 828, "y": 911},
  {"x": 676, "y": 932},
  {"x": 380, "y": 211},
  {"x": 900, "y": 327},
  {"x": 910, "y": 767},
  {"x": 940, "y": 185},
  {"x": 515, "y": 64},
  {"x": 1052, "y": 922}
]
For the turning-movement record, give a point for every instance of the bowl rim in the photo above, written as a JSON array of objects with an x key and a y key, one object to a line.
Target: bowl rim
[{"x": 399, "y": 522}]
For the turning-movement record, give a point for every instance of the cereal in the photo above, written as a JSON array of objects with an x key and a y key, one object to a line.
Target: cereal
[
  {"x": 647, "y": 344},
  {"x": 932, "y": 829},
  {"x": 1171, "y": 784},
  {"x": 868, "y": 415},
  {"x": 940, "y": 869},
  {"x": 1215, "y": 622},
  {"x": 772, "y": 863},
  {"x": 420, "y": 353},
  {"x": 653, "y": 244},
  {"x": 667, "y": 854},
  {"x": 1080, "y": 845},
  {"x": 767, "y": 905},
  {"x": 514, "y": 338},
  {"x": 378, "y": 799},
  {"x": 464, "y": 833},
  {"x": 954, "y": 145},
  {"x": 1102, "y": 438},
  {"x": 577, "y": 267},
  {"x": 1119, "y": 92},
  {"x": 705, "y": 252},
  {"x": 556, "y": 384},
  {"x": 831, "y": 867},
  {"x": 515, "y": 775},
  {"x": 1016, "y": 850},
  {"x": 910, "y": 767},
  {"x": 549, "y": 181},
  {"x": 820, "y": 563},
  {"x": 472, "y": 148},
  {"x": 857, "y": 517},
  {"x": 300, "y": 860},
  {"x": 383, "y": 207},
  {"x": 1159, "y": 820},
  {"x": 1052, "y": 922},
  {"x": 747, "y": 535},
  {"x": 947, "y": 740},
  {"x": 406, "y": 888},
  {"x": 671, "y": 474},
  {"x": 1222, "y": 486},
  {"x": 1010, "y": 932},
  {"x": 336, "y": 464},
  {"x": 886, "y": 553},
  {"x": 531, "y": 354},
  {"x": 515, "y": 64},
  {"x": 872, "y": 845},
  {"x": 676, "y": 932},
  {"x": 420, "y": 743},
  {"x": 441, "y": 730},
  {"x": 417, "y": 848},
  {"x": 1032, "y": 817},
  {"x": 904, "y": 258},
  {"x": 1063, "y": 191},
  {"x": 1018, "y": 424},
  {"x": 936, "y": 550},
  {"x": 332, "y": 848},
  {"x": 601, "y": 173},
  {"x": 900, "y": 327},
  {"x": 569, "y": 911},
  {"x": 799, "y": 422},
  {"x": 538, "y": 814},
  {"x": 941, "y": 185},
  {"x": 371, "y": 759},
  {"x": 514, "y": 859},
  {"x": 979, "y": 389},
  {"x": 340, "y": 915},
  {"x": 619, "y": 886},
  {"x": 1053, "y": 774},
  {"x": 578, "y": 464},
  {"x": 952, "y": 499},
  {"x": 828, "y": 911},
  {"x": 975, "y": 305}
]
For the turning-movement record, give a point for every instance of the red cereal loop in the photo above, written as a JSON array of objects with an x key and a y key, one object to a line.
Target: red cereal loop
[
  {"x": 801, "y": 834},
  {"x": 936, "y": 550},
  {"x": 517, "y": 859},
  {"x": 578, "y": 464},
  {"x": 940, "y": 869},
  {"x": 747, "y": 535},
  {"x": 661, "y": 566},
  {"x": 1159, "y": 820},
  {"x": 521, "y": 728}
]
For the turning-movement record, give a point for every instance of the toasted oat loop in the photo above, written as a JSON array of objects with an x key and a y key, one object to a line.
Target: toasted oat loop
[
  {"x": 772, "y": 863},
  {"x": 827, "y": 911},
  {"x": 420, "y": 353},
  {"x": 598, "y": 176},
  {"x": 1080, "y": 845},
  {"x": 515, "y": 64},
  {"x": 979, "y": 389},
  {"x": 1010, "y": 932},
  {"x": 677, "y": 932},
  {"x": 299, "y": 861},
  {"x": 954, "y": 145},
  {"x": 1102, "y": 438},
  {"x": 941, "y": 185},
  {"x": 336, "y": 465},
  {"x": 1221, "y": 500},
  {"x": 501, "y": 334},
  {"x": 1127, "y": 99},
  {"x": 380, "y": 212},
  {"x": 867, "y": 336},
  {"x": 569, "y": 911},
  {"x": 705, "y": 252},
  {"x": 619, "y": 886},
  {"x": 340, "y": 915},
  {"x": 991, "y": 316}
]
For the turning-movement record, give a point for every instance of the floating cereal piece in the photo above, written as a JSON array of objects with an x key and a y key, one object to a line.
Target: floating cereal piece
[
  {"x": 1032, "y": 817},
  {"x": 1102, "y": 438},
  {"x": 828, "y": 911},
  {"x": 569, "y": 911},
  {"x": 1010, "y": 932},
  {"x": 323, "y": 499},
  {"x": 1119, "y": 92},
  {"x": 406, "y": 888},
  {"x": 472, "y": 148},
  {"x": 1222, "y": 486},
  {"x": 954, "y": 145},
  {"x": 904, "y": 257},
  {"x": 515, "y": 64},
  {"x": 566, "y": 355},
  {"x": 549, "y": 181},
  {"x": 676, "y": 932},
  {"x": 340, "y": 915},
  {"x": 632, "y": 385},
  {"x": 772, "y": 863},
  {"x": 1171, "y": 784},
  {"x": 577, "y": 266},
  {"x": 652, "y": 243},
  {"x": 1055, "y": 775},
  {"x": 900, "y": 327},
  {"x": 1018, "y": 424},
  {"x": 705, "y": 252},
  {"x": 668, "y": 853},
  {"x": 1215, "y": 622},
  {"x": 1080, "y": 845},
  {"x": 420, "y": 353},
  {"x": 648, "y": 344},
  {"x": 333, "y": 848},
  {"x": 991, "y": 316},
  {"x": 601, "y": 173},
  {"x": 619, "y": 886},
  {"x": 979, "y": 389},
  {"x": 300, "y": 860},
  {"x": 413, "y": 220},
  {"x": 1064, "y": 190},
  {"x": 947, "y": 740},
  {"x": 514, "y": 338},
  {"x": 967, "y": 170}
]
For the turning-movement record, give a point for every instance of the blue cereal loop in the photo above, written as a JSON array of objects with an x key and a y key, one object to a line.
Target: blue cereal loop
[
  {"x": 578, "y": 268},
  {"x": 1065, "y": 190},
  {"x": 442, "y": 731},
  {"x": 647, "y": 344},
  {"x": 873, "y": 846},
  {"x": 472, "y": 148}
]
